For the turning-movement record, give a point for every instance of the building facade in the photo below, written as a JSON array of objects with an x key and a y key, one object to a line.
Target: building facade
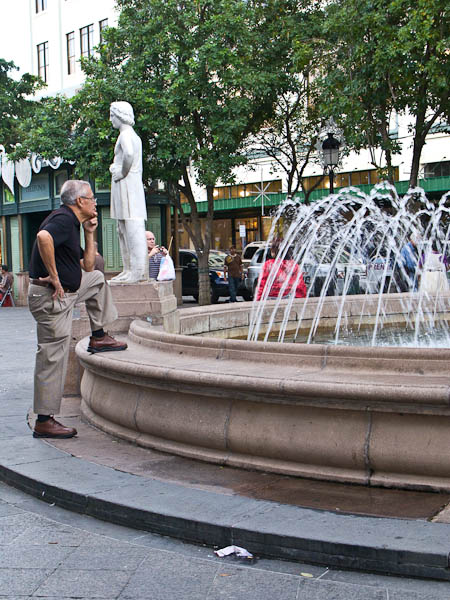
[{"x": 48, "y": 38}]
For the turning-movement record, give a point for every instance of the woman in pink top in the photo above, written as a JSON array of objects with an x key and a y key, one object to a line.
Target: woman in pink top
[{"x": 286, "y": 278}]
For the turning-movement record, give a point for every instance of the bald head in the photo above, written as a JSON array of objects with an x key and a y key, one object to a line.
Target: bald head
[{"x": 151, "y": 242}]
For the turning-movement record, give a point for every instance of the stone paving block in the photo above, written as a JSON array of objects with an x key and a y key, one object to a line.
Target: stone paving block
[
  {"x": 409, "y": 595},
  {"x": 23, "y": 582},
  {"x": 12, "y": 427},
  {"x": 166, "y": 507},
  {"x": 14, "y": 556},
  {"x": 440, "y": 589},
  {"x": 235, "y": 582},
  {"x": 8, "y": 509},
  {"x": 123, "y": 557},
  {"x": 64, "y": 583},
  {"x": 166, "y": 576},
  {"x": 329, "y": 590},
  {"x": 26, "y": 449},
  {"x": 79, "y": 477},
  {"x": 47, "y": 533},
  {"x": 13, "y": 526}
]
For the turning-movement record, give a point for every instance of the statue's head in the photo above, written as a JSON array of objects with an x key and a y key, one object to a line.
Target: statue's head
[{"x": 122, "y": 111}]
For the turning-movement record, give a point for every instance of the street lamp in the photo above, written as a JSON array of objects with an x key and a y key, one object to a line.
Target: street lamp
[{"x": 330, "y": 154}]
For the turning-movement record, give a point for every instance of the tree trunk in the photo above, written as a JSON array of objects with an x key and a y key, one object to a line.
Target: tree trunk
[
  {"x": 193, "y": 226},
  {"x": 415, "y": 162},
  {"x": 204, "y": 286}
]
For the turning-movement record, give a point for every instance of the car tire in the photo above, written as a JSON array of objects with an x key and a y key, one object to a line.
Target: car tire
[
  {"x": 248, "y": 296},
  {"x": 195, "y": 297},
  {"x": 214, "y": 298}
]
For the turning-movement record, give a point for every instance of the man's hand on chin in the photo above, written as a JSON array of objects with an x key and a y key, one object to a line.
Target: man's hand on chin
[{"x": 90, "y": 225}]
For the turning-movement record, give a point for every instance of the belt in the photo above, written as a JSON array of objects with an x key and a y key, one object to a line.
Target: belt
[{"x": 48, "y": 285}]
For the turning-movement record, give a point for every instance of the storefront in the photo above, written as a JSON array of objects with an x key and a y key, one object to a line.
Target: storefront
[{"x": 22, "y": 212}]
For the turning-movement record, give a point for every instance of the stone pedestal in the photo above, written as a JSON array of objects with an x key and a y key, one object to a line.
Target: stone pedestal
[
  {"x": 151, "y": 301},
  {"x": 22, "y": 281},
  {"x": 177, "y": 285}
]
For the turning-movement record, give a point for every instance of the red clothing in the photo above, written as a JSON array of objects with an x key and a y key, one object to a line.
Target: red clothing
[
  {"x": 5, "y": 283},
  {"x": 287, "y": 268}
]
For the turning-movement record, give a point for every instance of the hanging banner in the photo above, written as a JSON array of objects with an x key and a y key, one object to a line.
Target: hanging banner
[
  {"x": 8, "y": 172},
  {"x": 23, "y": 172}
]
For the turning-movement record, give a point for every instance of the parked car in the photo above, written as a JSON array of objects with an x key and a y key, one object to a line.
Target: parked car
[
  {"x": 315, "y": 271},
  {"x": 320, "y": 260},
  {"x": 376, "y": 270},
  {"x": 219, "y": 285},
  {"x": 249, "y": 252}
]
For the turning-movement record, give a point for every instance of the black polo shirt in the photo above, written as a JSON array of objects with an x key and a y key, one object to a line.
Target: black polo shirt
[{"x": 64, "y": 227}]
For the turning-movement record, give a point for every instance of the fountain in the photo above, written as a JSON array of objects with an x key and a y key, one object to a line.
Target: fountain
[
  {"x": 352, "y": 225},
  {"x": 372, "y": 415}
]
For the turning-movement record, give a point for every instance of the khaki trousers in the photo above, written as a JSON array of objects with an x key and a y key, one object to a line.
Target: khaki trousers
[{"x": 54, "y": 328}]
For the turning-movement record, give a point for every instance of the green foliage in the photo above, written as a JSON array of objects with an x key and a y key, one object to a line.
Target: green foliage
[
  {"x": 14, "y": 103},
  {"x": 387, "y": 57},
  {"x": 200, "y": 75}
]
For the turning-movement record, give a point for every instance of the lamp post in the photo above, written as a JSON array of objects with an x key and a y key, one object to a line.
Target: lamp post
[{"x": 330, "y": 154}]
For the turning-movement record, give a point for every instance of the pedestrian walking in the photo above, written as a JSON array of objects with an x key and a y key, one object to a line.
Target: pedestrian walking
[{"x": 233, "y": 271}]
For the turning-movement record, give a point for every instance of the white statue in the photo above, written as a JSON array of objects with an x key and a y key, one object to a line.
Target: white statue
[{"x": 127, "y": 196}]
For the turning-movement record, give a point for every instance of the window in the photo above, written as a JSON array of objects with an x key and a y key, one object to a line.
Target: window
[
  {"x": 41, "y": 5},
  {"x": 247, "y": 189},
  {"x": 87, "y": 40},
  {"x": 8, "y": 197},
  {"x": 345, "y": 179},
  {"x": 42, "y": 56},
  {"x": 437, "y": 169},
  {"x": 102, "y": 25},
  {"x": 60, "y": 178},
  {"x": 187, "y": 258},
  {"x": 70, "y": 44}
]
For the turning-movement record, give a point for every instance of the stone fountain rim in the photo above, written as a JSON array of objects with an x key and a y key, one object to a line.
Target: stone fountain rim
[{"x": 191, "y": 394}]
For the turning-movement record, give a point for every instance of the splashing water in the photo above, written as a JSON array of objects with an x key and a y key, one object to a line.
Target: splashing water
[{"x": 352, "y": 242}]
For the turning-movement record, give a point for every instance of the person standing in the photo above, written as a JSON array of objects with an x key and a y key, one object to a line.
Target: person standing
[
  {"x": 155, "y": 255},
  {"x": 61, "y": 275},
  {"x": 434, "y": 276},
  {"x": 282, "y": 275},
  {"x": 233, "y": 271},
  {"x": 410, "y": 260}
]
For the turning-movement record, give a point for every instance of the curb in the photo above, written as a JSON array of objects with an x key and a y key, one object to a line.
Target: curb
[{"x": 385, "y": 545}]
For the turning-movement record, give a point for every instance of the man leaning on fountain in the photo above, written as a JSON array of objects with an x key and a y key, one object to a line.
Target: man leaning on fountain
[{"x": 62, "y": 275}]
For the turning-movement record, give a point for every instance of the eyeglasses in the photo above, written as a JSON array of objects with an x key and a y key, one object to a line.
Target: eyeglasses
[{"x": 91, "y": 198}]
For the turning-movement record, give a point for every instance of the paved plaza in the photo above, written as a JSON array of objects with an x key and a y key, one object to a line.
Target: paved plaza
[{"x": 49, "y": 552}]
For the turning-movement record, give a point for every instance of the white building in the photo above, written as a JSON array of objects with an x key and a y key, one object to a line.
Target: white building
[{"x": 48, "y": 37}]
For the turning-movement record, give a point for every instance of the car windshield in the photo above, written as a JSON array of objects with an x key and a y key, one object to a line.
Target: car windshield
[
  {"x": 249, "y": 252},
  {"x": 216, "y": 259}
]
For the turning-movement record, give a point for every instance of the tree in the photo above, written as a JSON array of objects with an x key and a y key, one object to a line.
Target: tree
[
  {"x": 290, "y": 137},
  {"x": 15, "y": 105},
  {"x": 201, "y": 77},
  {"x": 388, "y": 57}
]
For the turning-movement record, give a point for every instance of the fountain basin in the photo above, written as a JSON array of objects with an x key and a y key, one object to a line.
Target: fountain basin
[{"x": 373, "y": 416}]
